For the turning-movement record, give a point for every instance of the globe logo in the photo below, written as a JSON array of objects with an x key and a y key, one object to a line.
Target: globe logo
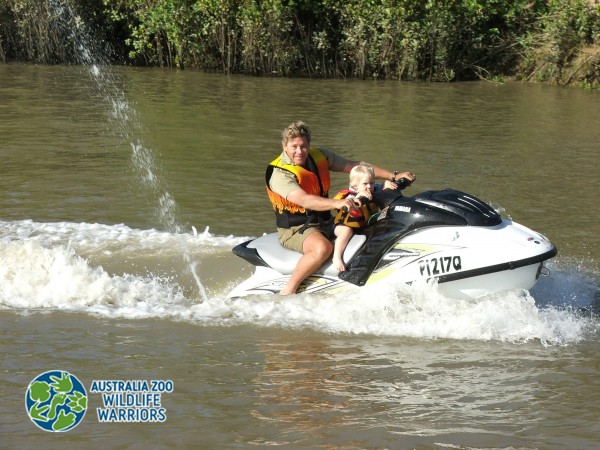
[{"x": 56, "y": 401}]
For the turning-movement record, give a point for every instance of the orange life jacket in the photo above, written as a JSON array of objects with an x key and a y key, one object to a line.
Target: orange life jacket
[
  {"x": 314, "y": 180},
  {"x": 355, "y": 219}
]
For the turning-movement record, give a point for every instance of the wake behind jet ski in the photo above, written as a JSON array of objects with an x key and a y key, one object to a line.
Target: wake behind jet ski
[{"x": 444, "y": 236}]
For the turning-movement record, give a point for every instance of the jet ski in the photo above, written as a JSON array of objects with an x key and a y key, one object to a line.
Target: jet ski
[{"x": 444, "y": 237}]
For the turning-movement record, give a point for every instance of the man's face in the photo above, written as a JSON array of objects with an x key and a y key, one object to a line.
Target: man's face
[{"x": 297, "y": 150}]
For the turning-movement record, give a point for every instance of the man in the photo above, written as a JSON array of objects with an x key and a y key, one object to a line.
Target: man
[{"x": 298, "y": 185}]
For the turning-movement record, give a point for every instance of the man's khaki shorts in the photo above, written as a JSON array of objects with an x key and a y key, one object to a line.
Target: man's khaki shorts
[{"x": 292, "y": 238}]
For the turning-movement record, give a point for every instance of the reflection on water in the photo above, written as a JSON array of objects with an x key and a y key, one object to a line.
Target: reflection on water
[{"x": 435, "y": 390}]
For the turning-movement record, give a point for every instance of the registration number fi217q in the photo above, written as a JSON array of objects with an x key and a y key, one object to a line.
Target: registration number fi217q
[{"x": 441, "y": 265}]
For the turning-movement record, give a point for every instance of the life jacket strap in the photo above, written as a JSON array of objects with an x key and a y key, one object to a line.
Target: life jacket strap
[{"x": 323, "y": 218}]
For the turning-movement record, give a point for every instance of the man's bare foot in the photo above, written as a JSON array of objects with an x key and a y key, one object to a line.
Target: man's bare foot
[{"x": 286, "y": 291}]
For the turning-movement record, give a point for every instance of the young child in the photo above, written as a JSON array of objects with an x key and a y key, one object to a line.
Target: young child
[{"x": 362, "y": 184}]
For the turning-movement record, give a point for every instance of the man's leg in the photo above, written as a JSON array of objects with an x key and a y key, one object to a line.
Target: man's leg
[{"x": 316, "y": 249}]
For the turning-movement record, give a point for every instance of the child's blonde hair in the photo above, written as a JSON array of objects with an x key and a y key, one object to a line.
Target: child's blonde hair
[{"x": 360, "y": 171}]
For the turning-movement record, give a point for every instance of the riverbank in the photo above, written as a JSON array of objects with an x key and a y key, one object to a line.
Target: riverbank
[
  {"x": 553, "y": 42},
  {"x": 581, "y": 69}
]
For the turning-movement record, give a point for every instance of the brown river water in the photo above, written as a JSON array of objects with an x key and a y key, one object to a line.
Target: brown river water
[{"x": 123, "y": 190}]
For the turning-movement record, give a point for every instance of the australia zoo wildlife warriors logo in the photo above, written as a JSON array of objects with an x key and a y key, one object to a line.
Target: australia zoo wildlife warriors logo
[{"x": 56, "y": 401}]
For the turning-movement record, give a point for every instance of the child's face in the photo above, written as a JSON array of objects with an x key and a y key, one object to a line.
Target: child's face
[{"x": 364, "y": 184}]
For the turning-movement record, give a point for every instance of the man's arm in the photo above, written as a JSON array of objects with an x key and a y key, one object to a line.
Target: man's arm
[
  {"x": 338, "y": 163},
  {"x": 316, "y": 203}
]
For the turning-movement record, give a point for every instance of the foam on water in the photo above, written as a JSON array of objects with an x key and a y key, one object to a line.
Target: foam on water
[
  {"x": 414, "y": 311},
  {"x": 35, "y": 277},
  {"x": 46, "y": 266}
]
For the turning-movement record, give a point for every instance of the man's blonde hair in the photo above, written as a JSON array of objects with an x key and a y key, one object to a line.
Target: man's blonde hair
[
  {"x": 294, "y": 130},
  {"x": 360, "y": 171}
]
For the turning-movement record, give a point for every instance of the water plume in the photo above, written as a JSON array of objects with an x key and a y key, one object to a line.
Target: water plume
[{"x": 122, "y": 121}]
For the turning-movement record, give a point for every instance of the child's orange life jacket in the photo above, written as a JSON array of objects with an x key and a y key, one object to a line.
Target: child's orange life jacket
[{"x": 355, "y": 219}]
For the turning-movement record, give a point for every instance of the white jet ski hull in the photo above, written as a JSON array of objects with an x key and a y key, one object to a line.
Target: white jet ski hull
[{"x": 464, "y": 262}]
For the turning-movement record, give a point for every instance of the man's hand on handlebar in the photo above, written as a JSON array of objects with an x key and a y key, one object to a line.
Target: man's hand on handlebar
[
  {"x": 347, "y": 204},
  {"x": 410, "y": 177}
]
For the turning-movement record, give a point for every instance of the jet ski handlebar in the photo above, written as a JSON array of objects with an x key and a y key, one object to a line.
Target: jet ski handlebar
[
  {"x": 402, "y": 183},
  {"x": 359, "y": 201}
]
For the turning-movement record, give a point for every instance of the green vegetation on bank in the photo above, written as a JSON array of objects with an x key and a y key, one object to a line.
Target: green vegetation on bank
[{"x": 556, "y": 41}]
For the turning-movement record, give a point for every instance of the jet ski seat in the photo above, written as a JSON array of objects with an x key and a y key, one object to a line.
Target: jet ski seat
[{"x": 285, "y": 260}]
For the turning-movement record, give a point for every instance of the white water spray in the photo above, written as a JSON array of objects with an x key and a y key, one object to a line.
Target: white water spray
[
  {"x": 42, "y": 270},
  {"x": 123, "y": 123}
]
